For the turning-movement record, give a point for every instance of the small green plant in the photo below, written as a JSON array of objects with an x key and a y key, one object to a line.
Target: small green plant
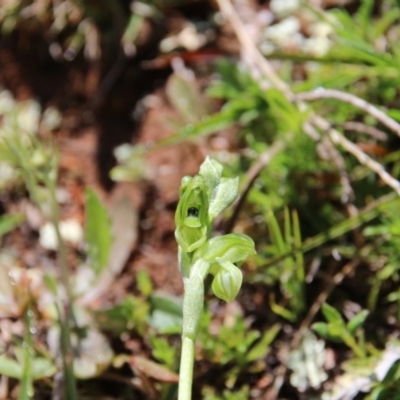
[
  {"x": 238, "y": 350},
  {"x": 336, "y": 329},
  {"x": 202, "y": 198}
]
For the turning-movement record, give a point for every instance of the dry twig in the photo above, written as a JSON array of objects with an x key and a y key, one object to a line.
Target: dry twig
[
  {"x": 363, "y": 158},
  {"x": 363, "y": 105},
  {"x": 363, "y": 128}
]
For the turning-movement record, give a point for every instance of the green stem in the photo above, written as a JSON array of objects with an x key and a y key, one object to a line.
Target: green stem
[
  {"x": 26, "y": 388},
  {"x": 358, "y": 350},
  {"x": 192, "y": 308},
  {"x": 186, "y": 369},
  {"x": 65, "y": 304}
]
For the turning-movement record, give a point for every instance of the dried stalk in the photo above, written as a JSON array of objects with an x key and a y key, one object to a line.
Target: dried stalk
[
  {"x": 350, "y": 147},
  {"x": 363, "y": 128},
  {"x": 363, "y": 105}
]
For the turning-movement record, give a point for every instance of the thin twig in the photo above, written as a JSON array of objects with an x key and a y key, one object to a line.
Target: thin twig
[
  {"x": 363, "y": 105},
  {"x": 363, "y": 158},
  {"x": 363, "y": 128},
  {"x": 329, "y": 151}
]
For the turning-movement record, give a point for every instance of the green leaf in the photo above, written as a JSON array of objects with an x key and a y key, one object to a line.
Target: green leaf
[
  {"x": 297, "y": 244},
  {"x": 331, "y": 314},
  {"x": 42, "y": 368},
  {"x": 287, "y": 116},
  {"x": 364, "y": 14},
  {"x": 262, "y": 346},
  {"x": 8, "y": 222},
  {"x": 51, "y": 284},
  {"x": 166, "y": 313},
  {"x": 357, "y": 321},
  {"x": 144, "y": 283},
  {"x": 234, "y": 247},
  {"x": 321, "y": 328},
  {"x": 207, "y": 126},
  {"x": 98, "y": 232},
  {"x": 132, "y": 312},
  {"x": 163, "y": 351},
  {"x": 283, "y": 312},
  {"x": 227, "y": 281},
  {"x": 338, "y": 332},
  {"x": 10, "y": 367},
  {"x": 275, "y": 233},
  {"x": 167, "y": 303},
  {"x": 378, "y": 393}
]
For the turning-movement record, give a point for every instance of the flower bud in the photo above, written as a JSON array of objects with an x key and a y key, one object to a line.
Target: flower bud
[{"x": 227, "y": 281}]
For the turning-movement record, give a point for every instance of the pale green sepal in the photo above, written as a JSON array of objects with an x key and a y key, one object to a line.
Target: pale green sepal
[
  {"x": 227, "y": 281},
  {"x": 184, "y": 183},
  {"x": 211, "y": 171},
  {"x": 234, "y": 247},
  {"x": 190, "y": 238},
  {"x": 224, "y": 195}
]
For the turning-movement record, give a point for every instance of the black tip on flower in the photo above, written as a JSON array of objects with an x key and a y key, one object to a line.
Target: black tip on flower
[{"x": 193, "y": 212}]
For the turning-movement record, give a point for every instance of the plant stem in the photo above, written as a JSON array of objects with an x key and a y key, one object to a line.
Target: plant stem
[
  {"x": 26, "y": 386},
  {"x": 65, "y": 304},
  {"x": 192, "y": 308},
  {"x": 186, "y": 369}
]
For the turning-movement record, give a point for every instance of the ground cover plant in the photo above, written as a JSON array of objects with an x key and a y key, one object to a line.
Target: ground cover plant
[{"x": 107, "y": 253}]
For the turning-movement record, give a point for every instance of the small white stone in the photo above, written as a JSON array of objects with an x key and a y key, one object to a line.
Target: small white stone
[
  {"x": 279, "y": 33},
  {"x": 283, "y": 8},
  {"x": 51, "y": 118},
  {"x": 29, "y": 116},
  {"x": 7, "y": 102},
  {"x": 70, "y": 230},
  {"x": 321, "y": 29},
  {"x": 317, "y": 46}
]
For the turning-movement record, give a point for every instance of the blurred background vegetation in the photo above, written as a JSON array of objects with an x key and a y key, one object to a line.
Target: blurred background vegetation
[{"x": 105, "y": 105}]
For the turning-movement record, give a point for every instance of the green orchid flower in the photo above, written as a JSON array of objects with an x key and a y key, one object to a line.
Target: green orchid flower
[
  {"x": 225, "y": 254},
  {"x": 191, "y": 217}
]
